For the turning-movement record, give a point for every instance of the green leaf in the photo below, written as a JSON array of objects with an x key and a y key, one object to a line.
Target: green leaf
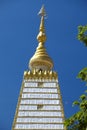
[
  {"x": 83, "y": 74},
  {"x": 85, "y": 91},
  {"x": 75, "y": 103},
  {"x": 82, "y": 36},
  {"x": 83, "y": 97}
]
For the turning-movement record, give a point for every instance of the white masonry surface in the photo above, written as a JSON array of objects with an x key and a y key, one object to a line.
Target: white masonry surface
[{"x": 40, "y": 106}]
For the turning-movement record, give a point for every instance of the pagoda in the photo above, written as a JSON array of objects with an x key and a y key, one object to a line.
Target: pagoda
[{"x": 40, "y": 103}]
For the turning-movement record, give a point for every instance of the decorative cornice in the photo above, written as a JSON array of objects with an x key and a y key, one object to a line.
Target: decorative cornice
[{"x": 41, "y": 74}]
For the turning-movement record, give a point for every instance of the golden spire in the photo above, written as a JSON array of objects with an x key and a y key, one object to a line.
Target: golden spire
[
  {"x": 42, "y": 36},
  {"x": 41, "y": 60}
]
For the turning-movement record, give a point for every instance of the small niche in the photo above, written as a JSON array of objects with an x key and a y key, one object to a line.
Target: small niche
[
  {"x": 39, "y": 106},
  {"x": 40, "y": 70},
  {"x": 40, "y": 84}
]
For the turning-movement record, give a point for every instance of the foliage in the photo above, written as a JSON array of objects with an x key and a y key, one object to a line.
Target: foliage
[
  {"x": 78, "y": 121},
  {"x": 82, "y": 34},
  {"x": 83, "y": 74}
]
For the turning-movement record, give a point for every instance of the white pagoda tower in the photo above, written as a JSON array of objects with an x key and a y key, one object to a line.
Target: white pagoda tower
[{"x": 40, "y": 104}]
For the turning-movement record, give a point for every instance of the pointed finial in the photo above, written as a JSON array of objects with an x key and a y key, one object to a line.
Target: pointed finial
[
  {"x": 42, "y": 11},
  {"x": 42, "y": 36}
]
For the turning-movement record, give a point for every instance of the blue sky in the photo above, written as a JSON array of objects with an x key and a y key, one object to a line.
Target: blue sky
[{"x": 19, "y": 25}]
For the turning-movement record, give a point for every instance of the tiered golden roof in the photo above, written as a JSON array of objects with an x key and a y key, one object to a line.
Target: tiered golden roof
[{"x": 41, "y": 60}]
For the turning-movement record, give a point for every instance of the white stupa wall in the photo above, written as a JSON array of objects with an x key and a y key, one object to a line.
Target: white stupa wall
[{"x": 40, "y": 106}]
